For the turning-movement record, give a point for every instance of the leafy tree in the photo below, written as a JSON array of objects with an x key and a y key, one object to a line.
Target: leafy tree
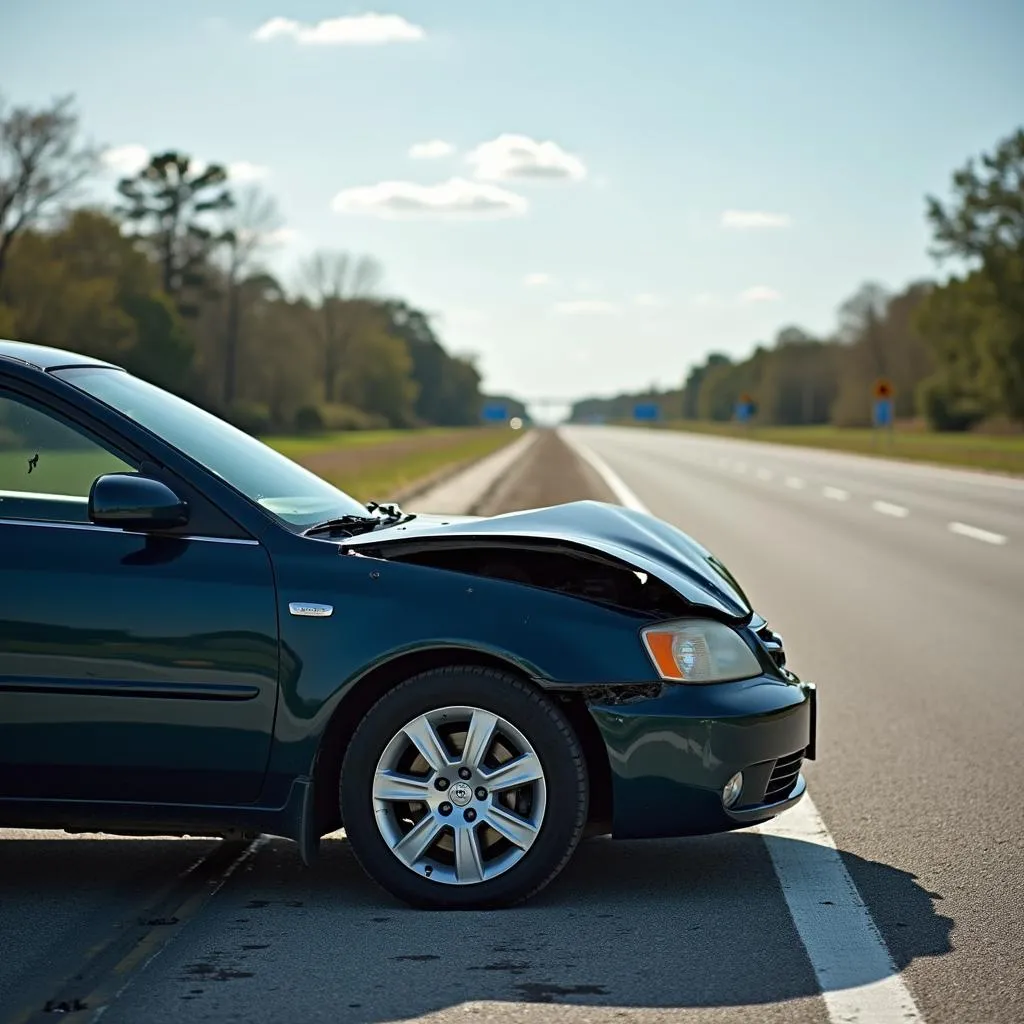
[
  {"x": 42, "y": 165},
  {"x": 173, "y": 206},
  {"x": 448, "y": 387},
  {"x": 983, "y": 225}
]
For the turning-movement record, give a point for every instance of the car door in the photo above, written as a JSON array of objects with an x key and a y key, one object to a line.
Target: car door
[{"x": 133, "y": 667}]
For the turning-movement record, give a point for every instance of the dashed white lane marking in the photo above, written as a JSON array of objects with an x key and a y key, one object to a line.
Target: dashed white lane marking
[
  {"x": 836, "y": 493},
  {"x": 764, "y": 474},
  {"x": 977, "y": 534},
  {"x": 740, "y": 467},
  {"x": 795, "y": 482},
  {"x": 859, "y": 981},
  {"x": 889, "y": 509}
]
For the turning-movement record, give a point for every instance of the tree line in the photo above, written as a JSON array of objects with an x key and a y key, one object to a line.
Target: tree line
[
  {"x": 953, "y": 350},
  {"x": 171, "y": 282}
]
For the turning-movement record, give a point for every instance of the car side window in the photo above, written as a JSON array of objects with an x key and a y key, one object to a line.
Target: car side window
[{"x": 47, "y": 466}]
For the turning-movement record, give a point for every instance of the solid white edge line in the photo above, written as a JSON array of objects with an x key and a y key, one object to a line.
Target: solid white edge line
[
  {"x": 609, "y": 477},
  {"x": 975, "y": 533},
  {"x": 887, "y": 508},
  {"x": 859, "y": 981},
  {"x": 835, "y": 493}
]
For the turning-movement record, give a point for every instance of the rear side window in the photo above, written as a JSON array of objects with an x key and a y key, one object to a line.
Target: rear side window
[{"x": 47, "y": 466}]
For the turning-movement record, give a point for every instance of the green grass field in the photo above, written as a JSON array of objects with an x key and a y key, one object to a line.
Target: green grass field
[
  {"x": 379, "y": 464},
  {"x": 1000, "y": 453}
]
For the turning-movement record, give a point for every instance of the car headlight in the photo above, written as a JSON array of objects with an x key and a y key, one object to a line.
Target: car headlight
[{"x": 699, "y": 651}]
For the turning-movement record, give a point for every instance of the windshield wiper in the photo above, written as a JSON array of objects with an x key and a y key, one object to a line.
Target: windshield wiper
[{"x": 362, "y": 524}]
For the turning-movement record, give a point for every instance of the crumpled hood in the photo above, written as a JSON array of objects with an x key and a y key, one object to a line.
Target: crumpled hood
[{"x": 636, "y": 539}]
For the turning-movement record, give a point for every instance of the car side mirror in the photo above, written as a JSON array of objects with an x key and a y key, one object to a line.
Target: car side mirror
[{"x": 135, "y": 502}]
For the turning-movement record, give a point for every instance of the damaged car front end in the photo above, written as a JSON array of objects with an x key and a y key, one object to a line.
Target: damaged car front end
[{"x": 702, "y": 726}]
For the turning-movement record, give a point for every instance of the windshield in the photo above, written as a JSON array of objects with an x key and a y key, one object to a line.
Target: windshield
[{"x": 285, "y": 489}]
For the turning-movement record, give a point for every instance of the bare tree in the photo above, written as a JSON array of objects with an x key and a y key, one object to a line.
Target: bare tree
[
  {"x": 339, "y": 285},
  {"x": 862, "y": 324},
  {"x": 251, "y": 227},
  {"x": 42, "y": 164}
]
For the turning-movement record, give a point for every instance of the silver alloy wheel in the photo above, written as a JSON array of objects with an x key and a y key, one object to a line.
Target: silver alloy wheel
[{"x": 459, "y": 795}]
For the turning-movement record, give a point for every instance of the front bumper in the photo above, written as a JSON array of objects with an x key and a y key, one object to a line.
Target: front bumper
[{"x": 671, "y": 755}]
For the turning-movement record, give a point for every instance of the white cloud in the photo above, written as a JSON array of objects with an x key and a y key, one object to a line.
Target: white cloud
[
  {"x": 754, "y": 219},
  {"x": 125, "y": 160},
  {"x": 243, "y": 171},
  {"x": 351, "y": 30},
  {"x": 432, "y": 150},
  {"x": 706, "y": 300},
  {"x": 510, "y": 157},
  {"x": 759, "y": 293},
  {"x": 537, "y": 280},
  {"x": 392, "y": 199},
  {"x": 587, "y": 307},
  {"x": 650, "y": 300}
]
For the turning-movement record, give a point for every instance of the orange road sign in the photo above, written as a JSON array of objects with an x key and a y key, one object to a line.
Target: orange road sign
[{"x": 883, "y": 388}]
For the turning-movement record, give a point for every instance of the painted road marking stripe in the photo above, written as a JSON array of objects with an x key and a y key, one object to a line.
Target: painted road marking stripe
[
  {"x": 858, "y": 979},
  {"x": 888, "y": 509},
  {"x": 764, "y": 474},
  {"x": 977, "y": 534},
  {"x": 836, "y": 493},
  {"x": 740, "y": 467},
  {"x": 795, "y": 482}
]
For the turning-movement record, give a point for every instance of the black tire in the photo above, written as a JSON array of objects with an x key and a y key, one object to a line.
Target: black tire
[{"x": 545, "y": 727}]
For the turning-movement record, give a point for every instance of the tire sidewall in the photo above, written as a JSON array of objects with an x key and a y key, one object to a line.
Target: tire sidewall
[{"x": 543, "y": 725}]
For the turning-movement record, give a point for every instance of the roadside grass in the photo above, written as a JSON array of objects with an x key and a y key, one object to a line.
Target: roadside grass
[
  {"x": 377, "y": 465},
  {"x": 55, "y": 472},
  {"x": 301, "y": 446},
  {"x": 995, "y": 452}
]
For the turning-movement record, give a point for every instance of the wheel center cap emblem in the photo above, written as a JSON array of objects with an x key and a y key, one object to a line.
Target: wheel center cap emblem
[{"x": 459, "y": 793}]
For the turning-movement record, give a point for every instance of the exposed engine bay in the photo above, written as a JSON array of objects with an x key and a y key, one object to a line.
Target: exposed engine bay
[{"x": 581, "y": 574}]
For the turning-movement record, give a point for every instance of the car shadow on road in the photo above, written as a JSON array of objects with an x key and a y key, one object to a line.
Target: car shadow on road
[
  {"x": 681, "y": 923},
  {"x": 656, "y": 924}
]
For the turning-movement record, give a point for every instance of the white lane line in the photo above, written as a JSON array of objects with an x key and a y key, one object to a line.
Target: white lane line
[
  {"x": 740, "y": 467},
  {"x": 795, "y": 482},
  {"x": 612, "y": 480},
  {"x": 977, "y": 534},
  {"x": 764, "y": 474},
  {"x": 888, "y": 509},
  {"x": 836, "y": 493},
  {"x": 859, "y": 981}
]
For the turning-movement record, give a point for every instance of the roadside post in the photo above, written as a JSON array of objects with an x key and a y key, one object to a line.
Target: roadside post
[{"x": 882, "y": 413}]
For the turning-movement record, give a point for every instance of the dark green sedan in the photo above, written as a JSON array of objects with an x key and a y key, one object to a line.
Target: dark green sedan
[{"x": 200, "y": 637}]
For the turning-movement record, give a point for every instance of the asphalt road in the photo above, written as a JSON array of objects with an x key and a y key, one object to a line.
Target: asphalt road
[
  {"x": 899, "y": 589},
  {"x": 910, "y": 630}
]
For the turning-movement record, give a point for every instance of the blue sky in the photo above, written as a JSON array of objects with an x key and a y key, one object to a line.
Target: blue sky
[{"x": 684, "y": 175}]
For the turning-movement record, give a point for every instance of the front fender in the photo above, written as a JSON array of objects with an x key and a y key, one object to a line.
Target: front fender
[{"x": 384, "y": 610}]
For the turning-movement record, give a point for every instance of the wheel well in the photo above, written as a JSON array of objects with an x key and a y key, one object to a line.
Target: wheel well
[{"x": 378, "y": 681}]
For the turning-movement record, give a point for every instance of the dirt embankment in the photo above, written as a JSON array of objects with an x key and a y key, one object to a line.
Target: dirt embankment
[{"x": 550, "y": 473}]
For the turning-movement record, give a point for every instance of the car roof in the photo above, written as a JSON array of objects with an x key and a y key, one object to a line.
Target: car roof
[{"x": 44, "y": 358}]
